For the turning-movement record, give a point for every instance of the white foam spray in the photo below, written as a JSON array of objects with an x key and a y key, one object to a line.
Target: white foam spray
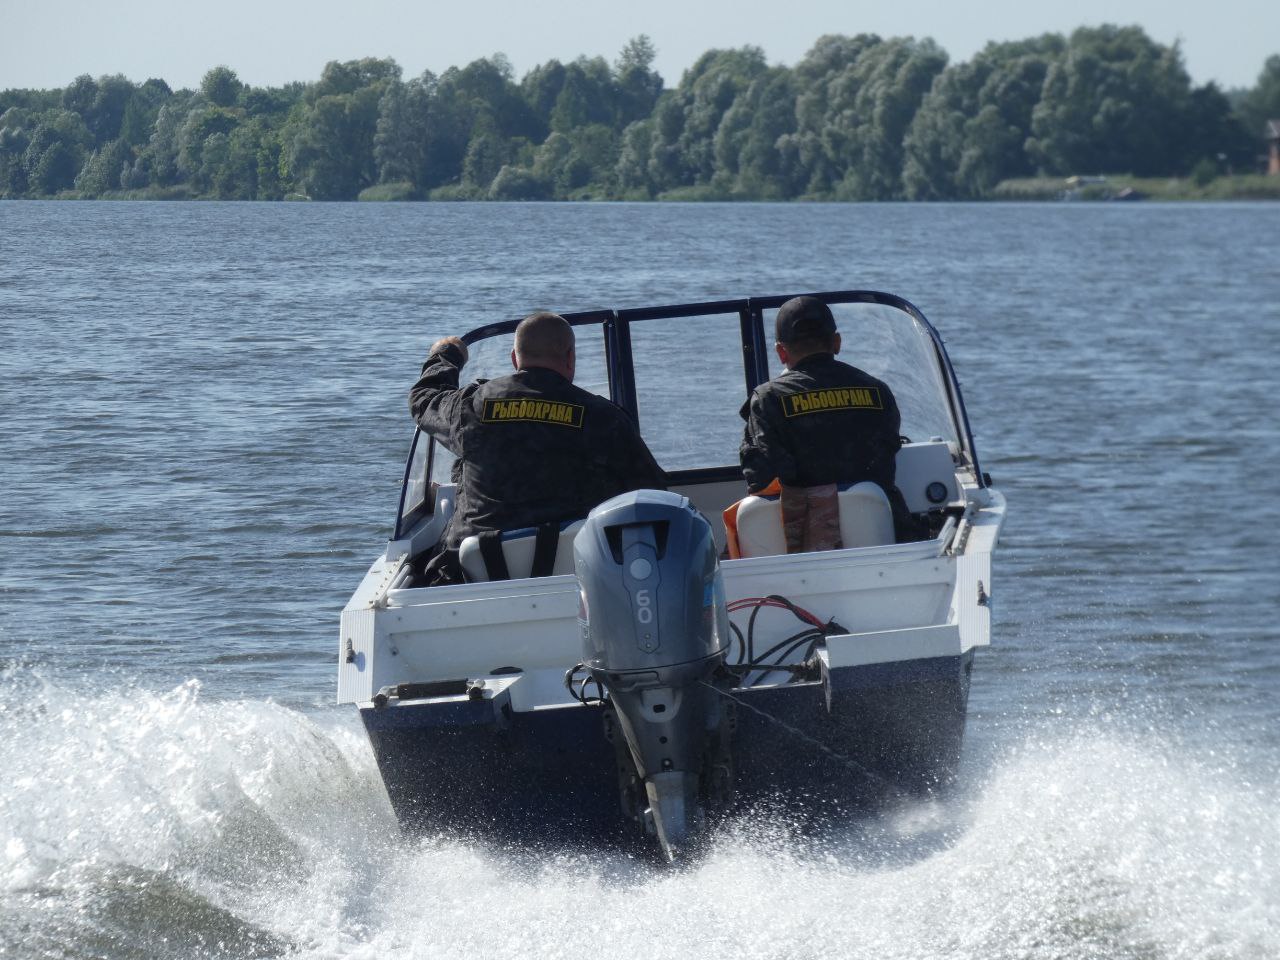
[{"x": 185, "y": 827}]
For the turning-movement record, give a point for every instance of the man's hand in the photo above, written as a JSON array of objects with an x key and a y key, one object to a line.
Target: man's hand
[{"x": 450, "y": 342}]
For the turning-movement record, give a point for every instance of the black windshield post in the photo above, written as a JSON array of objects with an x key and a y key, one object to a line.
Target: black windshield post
[
  {"x": 755, "y": 348},
  {"x": 622, "y": 376}
]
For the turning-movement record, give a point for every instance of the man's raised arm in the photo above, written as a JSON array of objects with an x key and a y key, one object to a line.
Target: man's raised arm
[{"x": 433, "y": 400}]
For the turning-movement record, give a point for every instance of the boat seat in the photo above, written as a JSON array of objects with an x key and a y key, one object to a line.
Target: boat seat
[
  {"x": 519, "y": 549},
  {"x": 866, "y": 520}
]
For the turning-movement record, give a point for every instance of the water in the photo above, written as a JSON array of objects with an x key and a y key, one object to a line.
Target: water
[{"x": 203, "y": 424}]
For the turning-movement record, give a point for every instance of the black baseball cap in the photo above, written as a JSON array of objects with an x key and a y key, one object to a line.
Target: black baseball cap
[{"x": 803, "y": 317}]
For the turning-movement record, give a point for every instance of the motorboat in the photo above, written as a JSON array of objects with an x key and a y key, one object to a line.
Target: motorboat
[{"x": 651, "y": 682}]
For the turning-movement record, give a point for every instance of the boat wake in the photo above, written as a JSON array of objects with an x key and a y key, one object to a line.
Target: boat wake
[{"x": 171, "y": 825}]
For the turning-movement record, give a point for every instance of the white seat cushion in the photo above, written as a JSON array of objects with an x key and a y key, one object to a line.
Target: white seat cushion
[
  {"x": 518, "y": 551},
  {"x": 866, "y": 520},
  {"x": 760, "y": 527}
]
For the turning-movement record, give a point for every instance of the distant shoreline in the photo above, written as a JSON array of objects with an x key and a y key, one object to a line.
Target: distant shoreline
[
  {"x": 858, "y": 118},
  {"x": 1115, "y": 189}
]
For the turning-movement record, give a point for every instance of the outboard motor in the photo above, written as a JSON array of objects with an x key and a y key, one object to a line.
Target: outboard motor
[{"x": 655, "y": 631}]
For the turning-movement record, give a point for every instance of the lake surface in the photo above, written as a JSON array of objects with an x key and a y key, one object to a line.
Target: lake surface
[{"x": 202, "y": 427}]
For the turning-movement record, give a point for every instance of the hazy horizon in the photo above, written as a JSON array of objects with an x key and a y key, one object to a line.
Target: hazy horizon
[{"x": 48, "y": 45}]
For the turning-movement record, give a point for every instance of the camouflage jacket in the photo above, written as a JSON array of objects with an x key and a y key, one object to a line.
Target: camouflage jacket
[
  {"x": 532, "y": 448},
  {"x": 821, "y": 422}
]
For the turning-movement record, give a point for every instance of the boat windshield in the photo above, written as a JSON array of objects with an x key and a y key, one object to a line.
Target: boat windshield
[
  {"x": 683, "y": 373},
  {"x": 894, "y": 346},
  {"x": 690, "y": 386}
]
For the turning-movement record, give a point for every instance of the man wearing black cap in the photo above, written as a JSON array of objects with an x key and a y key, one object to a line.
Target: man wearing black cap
[
  {"x": 819, "y": 424},
  {"x": 531, "y": 447}
]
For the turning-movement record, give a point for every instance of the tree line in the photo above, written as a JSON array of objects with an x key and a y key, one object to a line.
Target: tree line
[{"x": 858, "y": 118}]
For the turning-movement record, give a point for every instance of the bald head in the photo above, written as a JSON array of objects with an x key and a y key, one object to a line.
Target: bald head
[{"x": 544, "y": 339}]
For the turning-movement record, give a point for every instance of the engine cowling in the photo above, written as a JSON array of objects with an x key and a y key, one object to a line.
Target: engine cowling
[{"x": 655, "y": 631}]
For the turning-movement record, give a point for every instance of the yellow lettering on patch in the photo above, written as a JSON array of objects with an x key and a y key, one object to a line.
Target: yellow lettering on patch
[
  {"x": 835, "y": 398},
  {"x": 534, "y": 411}
]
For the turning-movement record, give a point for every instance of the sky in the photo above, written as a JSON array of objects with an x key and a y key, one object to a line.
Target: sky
[{"x": 47, "y": 43}]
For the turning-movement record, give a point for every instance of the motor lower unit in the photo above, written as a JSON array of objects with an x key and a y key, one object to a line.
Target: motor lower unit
[{"x": 655, "y": 632}]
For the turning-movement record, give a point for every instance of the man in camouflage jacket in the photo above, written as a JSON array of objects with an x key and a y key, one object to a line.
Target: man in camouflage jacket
[
  {"x": 531, "y": 447},
  {"x": 818, "y": 424}
]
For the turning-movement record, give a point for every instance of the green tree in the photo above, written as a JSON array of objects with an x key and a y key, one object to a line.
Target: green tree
[
  {"x": 632, "y": 168},
  {"x": 971, "y": 129},
  {"x": 155, "y": 90},
  {"x": 665, "y": 168},
  {"x": 13, "y": 177},
  {"x": 422, "y": 133},
  {"x": 400, "y": 135},
  {"x": 1214, "y": 134},
  {"x": 540, "y": 89},
  {"x": 34, "y": 101},
  {"x": 114, "y": 96},
  {"x": 871, "y": 102},
  {"x": 55, "y": 152},
  {"x": 806, "y": 148},
  {"x": 160, "y": 156},
  {"x": 683, "y": 151},
  {"x": 221, "y": 87},
  {"x": 328, "y": 156},
  {"x": 79, "y": 95},
  {"x": 136, "y": 174},
  {"x": 638, "y": 54},
  {"x": 232, "y": 170},
  {"x": 556, "y": 164},
  {"x": 14, "y": 140},
  {"x": 589, "y": 96},
  {"x": 596, "y": 146},
  {"x": 1115, "y": 103},
  {"x": 1262, "y": 103},
  {"x": 518, "y": 183},
  {"x": 102, "y": 171},
  {"x": 352, "y": 75},
  {"x": 272, "y": 103},
  {"x": 574, "y": 103},
  {"x": 639, "y": 85},
  {"x": 589, "y": 91},
  {"x": 100, "y": 103},
  {"x": 135, "y": 125},
  {"x": 447, "y": 125},
  {"x": 142, "y": 111},
  {"x": 486, "y": 155},
  {"x": 479, "y": 101},
  {"x": 858, "y": 117},
  {"x": 582, "y": 158},
  {"x": 331, "y": 143},
  {"x": 749, "y": 158},
  {"x": 489, "y": 99},
  {"x": 202, "y": 124},
  {"x": 214, "y": 155},
  {"x": 271, "y": 185}
]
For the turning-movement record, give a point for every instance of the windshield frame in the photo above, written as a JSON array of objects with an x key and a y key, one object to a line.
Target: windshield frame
[{"x": 620, "y": 366}]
